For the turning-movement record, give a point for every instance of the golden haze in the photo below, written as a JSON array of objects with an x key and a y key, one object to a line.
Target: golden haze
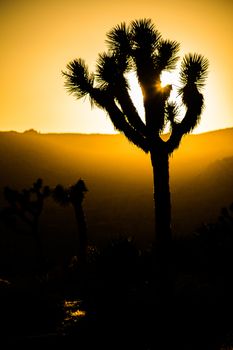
[
  {"x": 119, "y": 179},
  {"x": 38, "y": 39}
]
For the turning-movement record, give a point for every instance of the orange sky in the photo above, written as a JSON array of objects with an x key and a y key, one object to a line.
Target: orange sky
[{"x": 38, "y": 38}]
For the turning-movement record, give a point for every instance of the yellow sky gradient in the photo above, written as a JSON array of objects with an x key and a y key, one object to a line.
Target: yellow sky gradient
[{"x": 38, "y": 38}]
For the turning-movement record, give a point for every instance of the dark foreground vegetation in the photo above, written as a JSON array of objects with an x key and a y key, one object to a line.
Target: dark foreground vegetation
[{"x": 114, "y": 300}]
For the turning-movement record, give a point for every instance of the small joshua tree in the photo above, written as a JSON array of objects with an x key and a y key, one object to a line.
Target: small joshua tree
[
  {"x": 140, "y": 48},
  {"x": 27, "y": 205},
  {"x": 74, "y": 195}
]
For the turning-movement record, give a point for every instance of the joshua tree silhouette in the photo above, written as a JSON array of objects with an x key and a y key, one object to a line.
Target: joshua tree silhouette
[
  {"x": 140, "y": 48},
  {"x": 27, "y": 205},
  {"x": 74, "y": 195}
]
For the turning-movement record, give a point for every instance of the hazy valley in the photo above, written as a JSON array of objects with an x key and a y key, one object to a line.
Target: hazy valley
[{"x": 119, "y": 179}]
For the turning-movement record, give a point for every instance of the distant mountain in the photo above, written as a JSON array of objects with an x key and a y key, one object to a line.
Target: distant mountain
[
  {"x": 119, "y": 179},
  {"x": 202, "y": 198}
]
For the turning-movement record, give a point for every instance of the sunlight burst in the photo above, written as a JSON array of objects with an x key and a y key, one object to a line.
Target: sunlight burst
[{"x": 167, "y": 78}]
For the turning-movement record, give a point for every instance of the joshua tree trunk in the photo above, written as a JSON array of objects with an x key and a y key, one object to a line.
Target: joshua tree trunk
[
  {"x": 163, "y": 233},
  {"x": 162, "y": 198}
]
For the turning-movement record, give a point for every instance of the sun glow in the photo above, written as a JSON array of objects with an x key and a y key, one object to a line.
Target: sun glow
[{"x": 169, "y": 78}]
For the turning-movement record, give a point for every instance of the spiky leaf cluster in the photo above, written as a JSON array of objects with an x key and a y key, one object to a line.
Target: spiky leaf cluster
[
  {"x": 110, "y": 71},
  {"x": 194, "y": 70},
  {"x": 78, "y": 80},
  {"x": 144, "y": 35}
]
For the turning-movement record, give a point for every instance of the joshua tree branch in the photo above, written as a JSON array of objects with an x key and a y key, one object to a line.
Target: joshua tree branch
[
  {"x": 119, "y": 121},
  {"x": 190, "y": 120},
  {"x": 130, "y": 110},
  {"x": 106, "y": 101}
]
